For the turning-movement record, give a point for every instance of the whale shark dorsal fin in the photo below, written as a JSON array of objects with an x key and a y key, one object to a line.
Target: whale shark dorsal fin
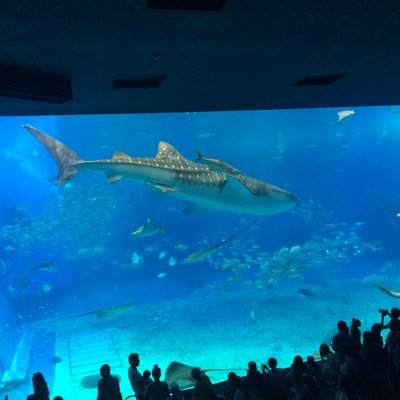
[
  {"x": 120, "y": 156},
  {"x": 166, "y": 151}
]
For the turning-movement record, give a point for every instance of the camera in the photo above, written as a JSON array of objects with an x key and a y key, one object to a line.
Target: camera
[{"x": 383, "y": 312}]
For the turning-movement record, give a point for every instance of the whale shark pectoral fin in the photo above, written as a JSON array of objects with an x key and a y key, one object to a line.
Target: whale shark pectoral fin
[
  {"x": 114, "y": 178},
  {"x": 163, "y": 188},
  {"x": 234, "y": 187},
  {"x": 199, "y": 208}
]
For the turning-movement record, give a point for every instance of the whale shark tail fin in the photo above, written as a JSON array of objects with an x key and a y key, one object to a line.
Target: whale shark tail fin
[{"x": 64, "y": 157}]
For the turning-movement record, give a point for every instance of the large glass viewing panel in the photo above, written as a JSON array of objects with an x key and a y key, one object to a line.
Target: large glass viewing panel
[{"x": 185, "y": 257}]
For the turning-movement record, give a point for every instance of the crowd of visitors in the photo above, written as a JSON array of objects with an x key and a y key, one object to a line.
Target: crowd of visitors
[{"x": 358, "y": 366}]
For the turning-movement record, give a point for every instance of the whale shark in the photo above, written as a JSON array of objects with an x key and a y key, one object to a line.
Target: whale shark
[{"x": 169, "y": 172}]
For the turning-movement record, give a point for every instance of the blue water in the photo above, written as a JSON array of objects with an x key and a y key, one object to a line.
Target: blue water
[{"x": 66, "y": 249}]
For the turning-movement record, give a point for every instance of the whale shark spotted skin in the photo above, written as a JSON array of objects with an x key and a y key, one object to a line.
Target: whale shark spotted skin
[{"x": 169, "y": 172}]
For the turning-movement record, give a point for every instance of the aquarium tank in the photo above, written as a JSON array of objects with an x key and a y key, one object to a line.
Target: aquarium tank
[{"x": 206, "y": 239}]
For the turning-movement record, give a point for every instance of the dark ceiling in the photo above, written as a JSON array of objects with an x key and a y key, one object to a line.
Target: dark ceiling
[{"x": 85, "y": 57}]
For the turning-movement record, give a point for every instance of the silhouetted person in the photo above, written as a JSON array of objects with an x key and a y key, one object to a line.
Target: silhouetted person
[
  {"x": 232, "y": 386},
  {"x": 298, "y": 367},
  {"x": 146, "y": 376},
  {"x": 58, "y": 398},
  {"x": 203, "y": 389},
  {"x": 108, "y": 385},
  {"x": 135, "y": 377},
  {"x": 312, "y": 368},
  {"x": 392, "y": 345},
  {"x": 348, "y": 383},
  {"x": 374, "y": 383},
  {"x": 355, "y": 333},
  {"x": 274, "y": 387},
  {"x": 376, "y": 330},
  {"x": 157, "y": 390},
  {"x": 145, "y": 381},
  {"x": 271, "y": 366},
  {"x": 304, "y": 386},
  {"x": 329, "y": 368},
  {"x": 342, "y": 343},
  {"x": 40, "y": 389},
  {"x": 176, "y": 393},
  {"x": 255, "y": 381},
  {"x": 394, "y": 323}
]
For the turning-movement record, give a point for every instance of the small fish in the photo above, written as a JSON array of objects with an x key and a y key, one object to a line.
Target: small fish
[
  {"x": 296, "y": 277},
  {"x": 162, "y": 275},
  {"x": 55, "y": 360},
  {"x": 171, "y": 261},
  {"x": 205, "y": 135},
  {"x": 136, "y": 259},
  {"x": 181, "y": 246},
  {"x": 23, "y": 282},
  {"x": 151, "y": 248},
  {"x": 344, "y": 114},
  {"x": 83, "y": 251},
  {"x": 306, "y": 292},
  {"x": 295, "y": 249},
  {"x": 162, "y": 255},
  {"x": 233, "y": 279},
  {"x": 44, "y": 266},
  {"x": 46, "y": 288},
  {"x": 23, "y": 207},
  {"x": 229, "y": 265},
  {"x": 146, "y": 230}
]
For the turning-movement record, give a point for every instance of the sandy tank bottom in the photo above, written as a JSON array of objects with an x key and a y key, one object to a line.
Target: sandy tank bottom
[{"x": 211, "y": 332}]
